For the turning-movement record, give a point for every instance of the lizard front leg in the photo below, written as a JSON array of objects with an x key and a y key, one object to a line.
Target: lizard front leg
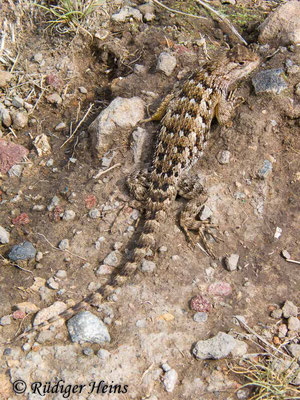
[{"x": 225, "y": 108}]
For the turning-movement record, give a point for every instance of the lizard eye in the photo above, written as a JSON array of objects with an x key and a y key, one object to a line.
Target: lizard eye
[{"x": 241, "y": 62}]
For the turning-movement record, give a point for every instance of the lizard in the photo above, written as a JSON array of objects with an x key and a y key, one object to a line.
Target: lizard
[{"x": 185, "y": 120}]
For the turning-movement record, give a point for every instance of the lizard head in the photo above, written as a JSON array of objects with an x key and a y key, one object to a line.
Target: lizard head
[{"x": 234, "y": 65}]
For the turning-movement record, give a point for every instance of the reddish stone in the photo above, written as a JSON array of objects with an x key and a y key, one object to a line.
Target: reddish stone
[
  {"x": 21, "y": 219},
  {"x": 19, "y": 314},
  {"x": 200, "y": 304},
  {"x": 55, "y": 215},
  {"x": 220, "y": 289},
  {"x": 10, "y": 154},
  {"x": 54, "y": 81},
  {"x": 90, "y": 201}
]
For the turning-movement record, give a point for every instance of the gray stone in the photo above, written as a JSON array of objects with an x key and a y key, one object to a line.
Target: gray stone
[
  {"x": 169, "y": 380},
  {"x": 103, "y": 354},
  {"x": 54, "y": 98},
  {"x": 61, "y": 126},
  {"x": 54, "y": 203},
  {"x": 265, "y": 170},
  {"x": 141, "y": 323},
  {"x": 5, "y": 320},
  {"x": 88, "y": 351},
  {"x": 122, "y": 113},
  {"x": 61, "y": 273},
  {"x": 5, "y": 117},
  {"x": 224, "y": 157},
  {"x": 94, "y": 213},
  {"x": 51, "y": 282},
  {"x": 127, "y": 12},
  {"x": 69, "y": 215},
  {"x": 148, "y": 266},
  {"x": 20, "y": 119},
  {"x": 295, "y": 350},
  {"x": 86, "y": 327},
  {"x": 282, "y": 25},
  {"x": 277, "y": 314},
  {"x": 289, "y": 309},
  {"x": 4, "y": 235},
  {"x": 166, "y": 367},
  {"x": 200, "y": 317},
  {"x": 240, "y": 349},
  {"x": 166, "y": 63},
  {"x": 104, "y": 269},
  {"x": 82, "y": 90},
  {"x": 139, "y": 69},
  {"x": 22, "y": 251},
  {"x": 269, "y": 81},
  {"x": 215, "y": 348},
  {"x": 17, "y": 102},
  {"x": 64, "y": 244},
  {"x": 294, "y": 324},
  {"x": 231, "y": 262},
  {"x": 112, "y": 259}
]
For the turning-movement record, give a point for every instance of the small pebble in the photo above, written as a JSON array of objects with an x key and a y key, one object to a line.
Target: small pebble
[
  {"x": 69, "y": 215},
  {"x": 141, "y": 323},
  {"x": 54, "y": 203},
  {"x": 26, "y": 347},
  {"x": 169, "y": 380},
  {"x": 231, "y": 262},
  {"x": 163, "y": 249},
  {"x": 61, "y": 126},
  {"x": 166, "y": 367},
  {"x": 104, "y": 269},
  {"x": 200, "y": 317},
  {"x": 94, "y": 213},
  {"x": 166, "y": 63},
  {"x": 277, "y": 314},
  {"x": 112, "y": 259},
  {"x": 4, "y": 235},
  {"x": 88, "y": 351},
  {"x": 148, "y": 266},
  {"x": 265, "y": 170},
  {"x": 103, "y": 354},
  {"x": 52, "y": 284},
  {"x": 5, "y": 320},
  {"x": 286, "y": 254},
  {"x": 82, "y": 90},
  {"x": 61, "y": 273},
  {"x": 17, "y": 102},
  {"x": 224, "y": 157},
  {"x": 205, "y": 213},
  {"x": 39, "y": 256},
  {"x": 64, "y": 244}
]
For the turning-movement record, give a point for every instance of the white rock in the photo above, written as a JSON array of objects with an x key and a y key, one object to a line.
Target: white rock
[
  {"x": 4, "y": 235},
  {"x": 127, "y": 12},
  {"x": 169, "y": 380},
  {"x": 46, "y": 313},
  {"x": 166, "y": 63},
  {"x": 217, "y": 347},
  {"x": 232, "y": 262},
  {"x": 120, "y": 114}
]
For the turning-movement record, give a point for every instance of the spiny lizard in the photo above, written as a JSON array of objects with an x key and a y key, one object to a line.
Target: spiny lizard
[{"x": 186, "y": 117}]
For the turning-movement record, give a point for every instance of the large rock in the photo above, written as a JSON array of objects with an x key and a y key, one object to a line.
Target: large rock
[
  {"x": 121, "y": 114},
  {"x": 283, "y": 25},
  {"x": 10, "y": 154},
  {"x": 86, "y": 327},
  {"x": 217, "y": 347}
]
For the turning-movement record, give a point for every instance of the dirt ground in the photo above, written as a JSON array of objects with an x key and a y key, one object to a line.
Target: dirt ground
[{"x": 247, "y": 209}]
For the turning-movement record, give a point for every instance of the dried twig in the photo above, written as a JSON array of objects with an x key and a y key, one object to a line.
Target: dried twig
[
  {"x": 247, "y": 327},
  {"x": 100, "y": 173},
  {"x": 79, "y": 124},
  {"x": 223, "y": 19},
  {"x": 16, "y": 265},
  {"x": 57, "y": 248},
  {"x": 178, "y": 12}
]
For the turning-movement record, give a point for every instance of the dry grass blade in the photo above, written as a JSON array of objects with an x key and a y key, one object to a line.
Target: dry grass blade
[{"x": 269, "y": 380}]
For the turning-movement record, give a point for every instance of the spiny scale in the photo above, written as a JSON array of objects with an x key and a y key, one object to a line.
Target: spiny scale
[{"x": 186, "y": 118}]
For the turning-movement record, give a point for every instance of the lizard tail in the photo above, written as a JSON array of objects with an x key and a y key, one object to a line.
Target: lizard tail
[{"x": 145, "y": 244}]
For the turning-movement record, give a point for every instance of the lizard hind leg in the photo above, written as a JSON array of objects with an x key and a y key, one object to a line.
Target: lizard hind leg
[{"x": 190, "y": 220}]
